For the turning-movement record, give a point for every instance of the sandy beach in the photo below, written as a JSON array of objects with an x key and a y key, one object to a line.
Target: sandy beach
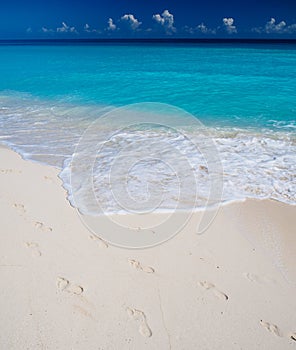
[{"x": 62, "y": 287}]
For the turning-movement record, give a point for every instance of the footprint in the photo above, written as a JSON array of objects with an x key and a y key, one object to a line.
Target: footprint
[
  {"x": 49, "y": 179},
  {"x": 251, "y": 277},
  {"x": 41, "y": 226},
  {"x": 206, "y": 285},
  {"x": 100, "y": 241},
  {"x": 5, "y": 171},
  {"x": 22, "y": 211},
  {"x": 34, "y": 249},
  {"x": 137, "y": 265},
  {"x": 75, "y": 289},
  {"x": 20, "y": 208},
  {"x": 83, "y": 311},
  {"x": 144, "y": 330},
  {"x": 64, "y": 285},
  {"x": 210, "y": 286},
  {"x": 140, "y": 317},
  {"x": 9, "y": 171},
  {"x": 272, "y": 328},
  {"x": 139, "y": 229},
  {"x": 258, "y": 279},
  {"x": 293, "y": 336}
]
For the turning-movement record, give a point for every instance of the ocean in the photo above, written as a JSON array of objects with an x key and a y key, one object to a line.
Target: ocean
[{"x": 141, "y": 127}]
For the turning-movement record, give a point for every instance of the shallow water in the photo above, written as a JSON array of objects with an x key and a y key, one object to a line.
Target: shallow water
[{"x": 244, "y": 96}]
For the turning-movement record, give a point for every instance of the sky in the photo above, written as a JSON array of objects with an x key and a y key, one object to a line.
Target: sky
[{"x": 29, "y": 19}]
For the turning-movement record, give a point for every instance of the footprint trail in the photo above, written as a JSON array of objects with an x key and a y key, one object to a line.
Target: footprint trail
[
  {"x": 140, "y": 318},
  {"x": 137, "y": 265},
  {"x": 211, "y": 287},
  {"x": 99, "y": 241},
  {"x": 35, "y": 252},
  {"x": 272, "y": 328},
  {"x": 64, "y": 285}
]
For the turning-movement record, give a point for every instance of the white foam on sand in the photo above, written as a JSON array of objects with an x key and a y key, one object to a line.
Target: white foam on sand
[{"x": 256, "y": 163}]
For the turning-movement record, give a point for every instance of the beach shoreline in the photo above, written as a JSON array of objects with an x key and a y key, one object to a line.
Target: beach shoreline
[{"x": 62, "y": 286}]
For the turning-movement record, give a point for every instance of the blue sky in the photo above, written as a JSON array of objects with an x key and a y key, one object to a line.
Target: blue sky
[{"x": 147, "y": 18}]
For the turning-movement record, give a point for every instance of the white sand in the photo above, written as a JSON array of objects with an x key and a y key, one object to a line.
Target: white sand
[{"x": 60, "y": 288}]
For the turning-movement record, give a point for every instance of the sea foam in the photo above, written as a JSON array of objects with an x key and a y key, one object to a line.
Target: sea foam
[{"x": 256, "y": 163}]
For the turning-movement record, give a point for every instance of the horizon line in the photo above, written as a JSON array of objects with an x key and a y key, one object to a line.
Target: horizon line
[{"x": 153, "y": 40}]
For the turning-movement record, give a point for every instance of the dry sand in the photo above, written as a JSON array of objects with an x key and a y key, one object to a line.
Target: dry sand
[{"x": 63, "y": 288}]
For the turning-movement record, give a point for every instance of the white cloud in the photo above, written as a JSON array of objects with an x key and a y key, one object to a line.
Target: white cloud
[
  {"x": 229, "y": 25},
  {"x": 29, "y": 30},
  {"x": 46, "y": 30},
  {"x": 111, "y": 25},
  {"x": 205, "y": 30},
  {"x": 63, "y": 29},
  {"x": 272, "y": 27},
  {"x": 132, "y": 21},
  {"x": 166, "y": 20},
  {"x": 87, "y": 28},
  {"x": 201, "y": 28},
  {"x": 278, "y": 28},
  {"x": 291, "y": 28},
  {"x": 66, "y": 29},
  {"x": 189, "y": 30}
]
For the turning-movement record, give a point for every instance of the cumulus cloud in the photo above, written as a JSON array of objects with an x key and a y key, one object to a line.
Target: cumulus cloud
[
  {"x": 200, "y": 29},
  {"x": 66, "y": 29},
  {"x": 272, "y": 27},
  {"x": 63, "y": 29},
  {"x": 188, "y": 29},
  {"x": 229, "y": 26},
  {"x": 46, "y": 30},
  {"x": 205, "y": 30},
  {"x": 132, "y": 21},
  {"x": 111, "y": 25},
  {"x": 291, "y": 28},
  {"x": 277, "y": 28},
  {"x": 166, "y": 20},
  {"x": 87, "y": 28}
]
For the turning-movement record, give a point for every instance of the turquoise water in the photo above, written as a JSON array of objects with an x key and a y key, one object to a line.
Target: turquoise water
[
  {"x": 244, "y": 94},
  {"x": 223, "y": 84}
]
